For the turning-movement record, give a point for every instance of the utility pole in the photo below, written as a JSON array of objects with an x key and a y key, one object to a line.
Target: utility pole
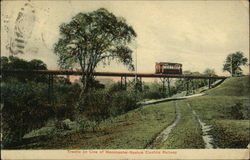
[
  {"x": 136, "y": 77},
  {"x": 232, "y": 65}
]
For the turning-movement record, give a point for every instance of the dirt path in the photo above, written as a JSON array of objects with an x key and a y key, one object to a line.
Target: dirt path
[
  {"x": 208, "y": 139},
  {"x": 155, "y": 101},
  {"x": 163, "y": 136}
]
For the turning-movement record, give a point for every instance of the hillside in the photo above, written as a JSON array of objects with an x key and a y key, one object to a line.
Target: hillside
[
  {"x": 234, "y": 86},
  {"x": 223, "y": 112}
]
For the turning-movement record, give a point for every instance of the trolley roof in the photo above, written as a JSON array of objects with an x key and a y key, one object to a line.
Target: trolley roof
[{"x": 170, "y": 63}]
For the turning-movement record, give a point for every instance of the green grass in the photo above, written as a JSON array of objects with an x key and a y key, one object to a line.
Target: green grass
[
  {"x": 187, "y": 133},
  {"x": 234, "y": 86},
  {"x": 133, "y": 130},
  {"x": 137, "y": 128},
  {"x": 231, "y": 133},
  {"x": 216, "y": 109},
  {"x": 227, "y": 131}
]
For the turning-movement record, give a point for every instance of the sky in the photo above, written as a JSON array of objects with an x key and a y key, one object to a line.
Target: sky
[{"x": 198, "y": 34}]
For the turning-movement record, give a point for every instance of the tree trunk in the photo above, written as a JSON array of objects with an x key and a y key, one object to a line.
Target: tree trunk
[
  {"x": 86, "y": 80},
  {"x": 169, "y": 90},
  {"x": 81, "y": 95}
]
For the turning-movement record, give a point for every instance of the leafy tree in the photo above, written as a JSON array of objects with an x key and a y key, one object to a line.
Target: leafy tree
[
  {"x": 15, "y": 63},
  {"x": 91, "y": 38},
  {"x": 233, "y": 63},
  {"x": 209, "y": 72},
  {"x": 37, "y": 64},
  {"x": 153, "y": 90},
  {"x": 23, "y": 103},
  {"x": 27, "y": 102}
]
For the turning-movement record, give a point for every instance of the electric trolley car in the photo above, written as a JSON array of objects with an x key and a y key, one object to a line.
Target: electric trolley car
[{"x": 168, "y": 68}]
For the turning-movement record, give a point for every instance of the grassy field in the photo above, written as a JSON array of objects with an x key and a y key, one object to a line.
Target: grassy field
[
  {"x": 234, "y": 86},
  {"x": 132, "y": 130},
  {"x": 187, "y": 133},
  {"x": 225, "y": 108}
]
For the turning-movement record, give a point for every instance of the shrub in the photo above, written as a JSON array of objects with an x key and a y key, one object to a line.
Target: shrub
[
  {"x": 154, "y": 94},
  {"x": 236, "y": 111},
  {"x": 25, "y": 108},
  {"x": 66, "y": 97},
  {"x": 99, "y": 105},
  {"x": 123, "y": 102}
]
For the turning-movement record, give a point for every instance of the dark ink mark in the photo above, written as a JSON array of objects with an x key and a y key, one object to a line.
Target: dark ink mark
[
  {"x": 20, "y": 15},
  {"x": 19, "y": 40},
  {"x": 20, "y": 47},
  {"x": 23, "y": 29},
  {"x": 19, "y": 34},
  {"x": 19, "y": 51}
]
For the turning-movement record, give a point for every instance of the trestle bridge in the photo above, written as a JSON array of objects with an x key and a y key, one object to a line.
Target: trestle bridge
[{"x": 124, "y": 75}]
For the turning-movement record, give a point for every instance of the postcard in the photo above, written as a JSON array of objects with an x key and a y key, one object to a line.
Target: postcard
[{"x": 125, "y": 79}]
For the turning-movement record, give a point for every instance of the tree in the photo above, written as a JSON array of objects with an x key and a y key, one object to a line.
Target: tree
[
  {"x": 37, "y": 64},
  {"x": 209, "y": 72},
  {"x": 91, "y": 38},
  {"x": 24, "y": 108},
  {"x": 233, "y": 63},
  {"x": 15, "y": 63}
]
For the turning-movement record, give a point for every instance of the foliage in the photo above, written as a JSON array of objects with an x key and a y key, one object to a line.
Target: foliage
[
  {"x": 99, "y": 105},
  {"x": 149, "y": 90},
  {"x": 233, "y": 63},
  {"x": 209, "y": 72},
  {"x": 134, "y": 85},
  {"x": 91, "y": 38},
  {"x": 226, "y": 108},
  {"x": 23, "y": 103},
  {"x": 132, "y": 130},
  {"x": 153, "y": 90},
  {"x": 66, "y": 95},
  {"x": 193, "y": 84},
  {"x": 236, "y": 111},
  {"x": 15, "y": 63},
  {"x": 26, "y": 107},
  {"x": 231, "y": 133},
  {"x": 138, "y": 127},
  {"x": 115, "y": 87}
]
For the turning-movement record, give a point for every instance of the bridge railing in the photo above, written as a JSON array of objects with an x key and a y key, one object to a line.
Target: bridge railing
[{"x": 111, "y": 74}]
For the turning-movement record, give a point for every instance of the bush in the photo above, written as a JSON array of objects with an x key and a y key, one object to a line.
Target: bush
[
  {"x": 23, "y": 104},
  {"x": 99, "y": 105},
  {"x": 123, "y": 102},
  {"x": 236, "y": 111},
  {"x": 154, "y": 94},
  {"x": 26, "y": 107},
  {"x": 66, "y": 97},
  {"x": 153, "y": 90}
]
